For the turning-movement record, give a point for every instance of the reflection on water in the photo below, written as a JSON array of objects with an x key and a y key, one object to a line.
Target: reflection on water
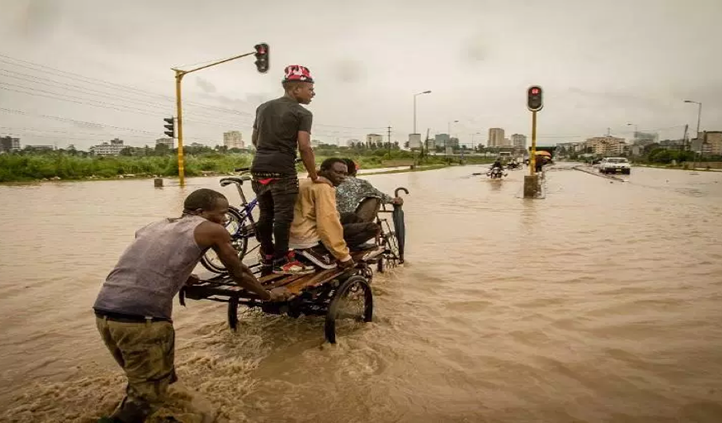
[{"x": 598, "y": 303}]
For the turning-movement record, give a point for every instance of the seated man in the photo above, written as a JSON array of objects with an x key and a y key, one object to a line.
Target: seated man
[
  {"x": 354, "y": 190},
  {"x": 316, "y": 220},
  {"x": 498, "y": 164}
]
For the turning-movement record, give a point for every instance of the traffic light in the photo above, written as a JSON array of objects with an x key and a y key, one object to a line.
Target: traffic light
[
  {"x": 534, "y": 98},
  {"x": 262, "y": 57},
  {"x": 170, "y": 126}
]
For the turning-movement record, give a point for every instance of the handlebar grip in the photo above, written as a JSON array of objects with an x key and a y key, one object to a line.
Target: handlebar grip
[{"x": 242, "y": 169}]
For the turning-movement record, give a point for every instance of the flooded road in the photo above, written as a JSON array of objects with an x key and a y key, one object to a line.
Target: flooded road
[{"x": 599, "y": 303}]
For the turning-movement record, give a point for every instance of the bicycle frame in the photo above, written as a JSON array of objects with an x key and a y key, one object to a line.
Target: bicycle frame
[{"x": 246, "y": 212}]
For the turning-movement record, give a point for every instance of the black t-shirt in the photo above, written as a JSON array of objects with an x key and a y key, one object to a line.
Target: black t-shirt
[{"x": 277, "y": 124}]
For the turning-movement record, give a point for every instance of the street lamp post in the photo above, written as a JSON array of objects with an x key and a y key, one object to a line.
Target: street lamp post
[
  {"x": 472, "y": 140},
  {"x": 449, "y": 138},
  {"x": 635, "y": 130},
  {"x": 416, "y": 95},
  {"x": 699, "y": 116}
]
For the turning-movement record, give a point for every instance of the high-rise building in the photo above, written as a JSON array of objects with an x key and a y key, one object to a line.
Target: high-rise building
[
  {"x": 518, "y": 141},
  {"x": 8, "y": 144},
  {"x": 233, "y": 139},
  {"x": 440, "y": 140},
  {"x": 496, "y": 137}
]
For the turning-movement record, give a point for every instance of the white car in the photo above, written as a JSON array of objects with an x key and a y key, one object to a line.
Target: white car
[{"x": 614, "y": 165}]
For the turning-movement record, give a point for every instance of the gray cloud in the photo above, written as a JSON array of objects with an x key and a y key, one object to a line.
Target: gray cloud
[
  {"x": 205, "y": 85},
  {"x": 349, "y": 71},
  {"x": 602, "y": 64}
]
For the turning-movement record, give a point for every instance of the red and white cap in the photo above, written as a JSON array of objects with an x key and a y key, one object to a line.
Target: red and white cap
[{"x": 297, "y": 73}]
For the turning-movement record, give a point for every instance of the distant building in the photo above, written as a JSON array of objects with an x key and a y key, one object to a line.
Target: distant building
[
  {"x": 440, "y": 140},
  {"x": 9, "y": 144},
  {"x": 233, "y": 139},
  {"x": 108, "y": 149},
  {"x": 518, "y": 141},
  {"x": 168, "y": 142},
  {"x": 606, "y": 146},
  {"x": 644, "y": 138},
  {"x": 415, "y": 141},
  {"x": 453, "y": 143},
  {"x": 711, "y": 143},
  {"x": 496, "y": 137},
  {"x": 373, "y": 139},
  {"x": 43, "y": 147}
]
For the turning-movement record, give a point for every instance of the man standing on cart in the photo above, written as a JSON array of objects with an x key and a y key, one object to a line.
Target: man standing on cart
[{"x": 282, "y": 126}]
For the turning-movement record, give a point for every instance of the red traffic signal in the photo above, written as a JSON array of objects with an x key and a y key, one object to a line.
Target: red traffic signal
[
  {"x": 534, "y": 101},
  {"x": 261, "y": 57}
]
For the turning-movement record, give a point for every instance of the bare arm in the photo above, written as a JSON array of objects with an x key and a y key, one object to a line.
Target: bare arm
[
  {"x": 215, "y": 236},
  {"x": 309, "y": 159}
]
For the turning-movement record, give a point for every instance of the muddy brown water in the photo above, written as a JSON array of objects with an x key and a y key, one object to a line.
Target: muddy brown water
[{"x": 600, "y": 303}]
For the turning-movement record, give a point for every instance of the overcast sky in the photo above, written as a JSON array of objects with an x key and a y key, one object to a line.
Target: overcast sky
[{"x": 602, "y": 64}]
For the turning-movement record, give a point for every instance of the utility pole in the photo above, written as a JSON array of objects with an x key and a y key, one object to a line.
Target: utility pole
[{"x": 389, "y": 129}]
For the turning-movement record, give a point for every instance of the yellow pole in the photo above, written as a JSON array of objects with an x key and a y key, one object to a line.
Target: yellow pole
[
  {"x": 532, "y": 159},
  {"x": 179, "y": 110},
  {"x": 178, "y": 78}
]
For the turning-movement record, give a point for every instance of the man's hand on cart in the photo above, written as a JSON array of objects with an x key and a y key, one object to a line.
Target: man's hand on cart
[{"x": 279, "y": 294}]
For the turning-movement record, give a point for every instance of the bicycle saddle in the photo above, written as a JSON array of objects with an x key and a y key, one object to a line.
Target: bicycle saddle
[{"x": 235, "y": 180}]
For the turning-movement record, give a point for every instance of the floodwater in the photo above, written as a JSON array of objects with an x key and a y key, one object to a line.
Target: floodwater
[{"x": 601, "y": 302}]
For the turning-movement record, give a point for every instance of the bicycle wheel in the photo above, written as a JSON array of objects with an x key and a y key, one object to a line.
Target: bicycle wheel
[{"x": 239, "y": 238}]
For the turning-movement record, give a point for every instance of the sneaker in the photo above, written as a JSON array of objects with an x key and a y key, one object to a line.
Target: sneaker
[
  {"x": 319, "y": 256},
  {"x": 290, "y": 266}
]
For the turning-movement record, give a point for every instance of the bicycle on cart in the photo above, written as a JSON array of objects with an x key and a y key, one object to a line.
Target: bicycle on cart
[{"x": 240, "y": 223}]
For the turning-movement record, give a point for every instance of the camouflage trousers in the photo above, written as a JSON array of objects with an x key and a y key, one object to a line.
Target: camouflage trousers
[{"x": 145, "y": 352}]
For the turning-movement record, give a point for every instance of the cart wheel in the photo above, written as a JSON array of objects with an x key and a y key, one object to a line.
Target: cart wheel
[
  {"x": 356, "y": 286},
  {"x": 233, "y": 313}
]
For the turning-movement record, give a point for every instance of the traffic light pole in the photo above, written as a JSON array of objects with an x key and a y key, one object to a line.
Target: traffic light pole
[
  {"x": 179, "y": 129},
  {"x": 179, "y": 74},
  {"x": 534, "y": 103},
  {"x": 532, "y": 159}
]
